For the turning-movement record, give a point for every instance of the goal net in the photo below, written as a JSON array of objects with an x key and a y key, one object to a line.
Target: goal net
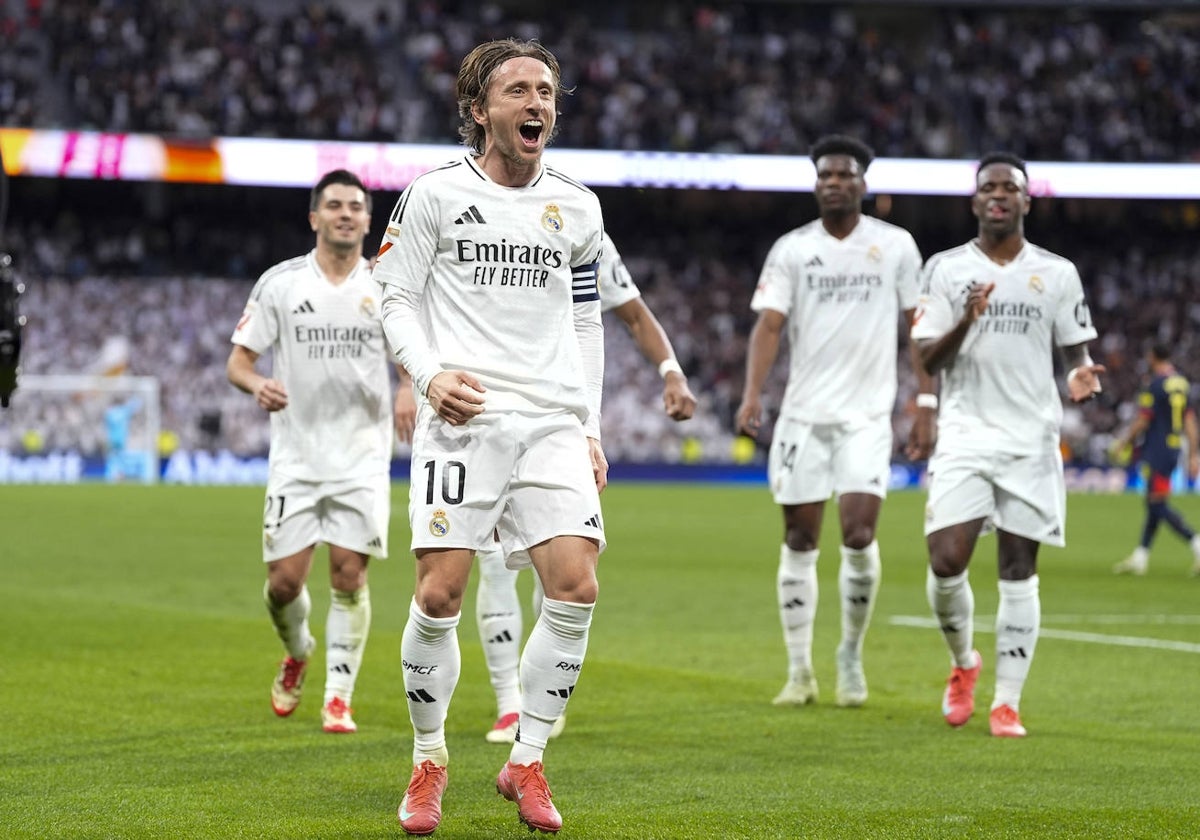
[{"x": 68, "y": 427}]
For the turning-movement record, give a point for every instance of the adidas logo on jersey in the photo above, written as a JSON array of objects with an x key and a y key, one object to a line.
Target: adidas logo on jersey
[
  {"x": 305, "y": 308},
  {"x": 470, "y": 216},
  {"x": 815, "y": 261}
]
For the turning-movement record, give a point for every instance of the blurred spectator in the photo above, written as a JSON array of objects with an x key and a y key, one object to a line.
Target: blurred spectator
[
  {"x": 695, "y": 256},
  {"x": 1099, "y": 83}
]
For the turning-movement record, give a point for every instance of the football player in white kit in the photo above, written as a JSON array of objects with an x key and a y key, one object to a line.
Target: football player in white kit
[
  {"x": 991, "y": 313},
  {"x": 332, "y": 414},
  {"x": 840, "y": 285},
  {"x": 497, "y": 606},
  {"x": 488, "y": 266}
]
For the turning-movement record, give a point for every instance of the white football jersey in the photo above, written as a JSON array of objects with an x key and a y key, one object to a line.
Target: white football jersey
[
  {"x": 504, "y": 282},
  {"x": 616, "y": 283},
  {"x": 330, "y": 355},
  {"x": 999, "y": 394},
  {"x": 842, "y": 299}
]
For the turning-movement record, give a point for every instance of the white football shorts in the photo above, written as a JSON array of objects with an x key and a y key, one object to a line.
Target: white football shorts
[
  {"x": 1021, "y": 494},
  {"x": 525, "y": 477},
  {"x": 352, "y": 514},
  {"x": 810, "y": 462}
]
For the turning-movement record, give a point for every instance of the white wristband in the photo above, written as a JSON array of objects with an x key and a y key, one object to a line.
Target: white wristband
[
  {"x": 927, "y": 401},
  {"x": 669, "y": 366}
]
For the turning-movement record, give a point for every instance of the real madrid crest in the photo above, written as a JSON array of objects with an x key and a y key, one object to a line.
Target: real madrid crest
[
  {"x": 439, "y": 523},
  {"x": 367, "y": 308},
  {"x": 1036, "y": 284},
  {"x": 874, "y": 254},
  {"x": 552, "y": 219}
]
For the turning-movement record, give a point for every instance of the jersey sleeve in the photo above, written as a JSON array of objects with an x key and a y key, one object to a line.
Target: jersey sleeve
[
  {"x": 774, "y": 289},
  {"x": 1073, "y": 319},
  {"x": 402, "y": 268},
  {"x": 935, "y": 312},
  {"x": 258, "y": 328},
  {"x": 1145, "y": 401},
  {"x": 589, "y": 329},
  {"x": 616, "y": 283},
  {"x": 908, "y": 275}
]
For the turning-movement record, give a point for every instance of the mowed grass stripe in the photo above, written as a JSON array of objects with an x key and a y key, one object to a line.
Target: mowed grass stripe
[{"x": 135, "y": 658}]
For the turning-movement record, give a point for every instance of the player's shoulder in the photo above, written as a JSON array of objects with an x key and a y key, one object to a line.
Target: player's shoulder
[
  {"x": 555, "y": 177},
  {"x": 279, "y": 275},
  {"x": 1047, "y": 257},
  {"x": 567, "y": 193},
  {"x": 442, "y": 179},
  {"x": 890, "y": 235},
  {"x": 805, "y": 235},
  {"x": 451, "y": 170},
  {"x": 879, "y": 226},
  {"x": 363, "y": 278},
  {"x": 432, "y": 185},
  {"x": 949, "y": 257}
]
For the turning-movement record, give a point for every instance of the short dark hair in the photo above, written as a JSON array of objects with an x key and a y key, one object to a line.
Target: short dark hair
[
  {"x": 338, "y": 176},
  {"x": 1160, "y": 352},
  {"x": 843, "y": 144},
  {"x": 1002, "y": 157}
]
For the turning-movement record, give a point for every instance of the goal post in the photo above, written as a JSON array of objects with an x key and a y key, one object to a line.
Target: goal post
[{"x": 117, "y": 419}]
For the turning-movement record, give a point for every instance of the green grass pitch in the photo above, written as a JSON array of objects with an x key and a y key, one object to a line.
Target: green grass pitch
[{"x": 136, "y": 658}]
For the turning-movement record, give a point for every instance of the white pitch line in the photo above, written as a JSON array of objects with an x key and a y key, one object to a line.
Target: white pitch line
[
  {"x": 982, "y": 626},
  {"x": 1185, "y": 620}
]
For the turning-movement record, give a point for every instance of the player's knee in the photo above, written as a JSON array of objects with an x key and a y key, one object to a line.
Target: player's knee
[
  {"x": 947, "y": 557},
  {"x": 283, "y": 589},
  {"x": 579, "y": 589},
  {"x": 945, "y": 566},
  {"x": 800, "y": 539},
  {"x": 858, "y": 536},
  {"x": 438, "y": 598}
]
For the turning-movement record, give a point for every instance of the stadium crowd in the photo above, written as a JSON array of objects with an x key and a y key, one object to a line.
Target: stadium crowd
[
  {"x": 171, "y": 291},
  {"x": 1109, "y": 84}
]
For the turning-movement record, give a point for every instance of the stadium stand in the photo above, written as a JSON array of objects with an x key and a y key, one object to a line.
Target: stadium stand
[
  {"x": 1099, "y": 83},
  {"x": 162, "y": 265},
  {"x": 168, "y": 268}
]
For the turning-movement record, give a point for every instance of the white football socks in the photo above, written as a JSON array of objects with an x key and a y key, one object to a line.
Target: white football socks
[
  {"x": 858, "y": 584},
  {"x": 431, "y": 661},
  {"x": 796, "y": 586},
  {"x": 953, "y": 605},
  {"x": 550, "y": 668},
  {"x": 498, "y": 617},
  {"x": 346, "y": 630},
  {"x": 291, "y": 622},
  {"x": 1018, "y": 620}
]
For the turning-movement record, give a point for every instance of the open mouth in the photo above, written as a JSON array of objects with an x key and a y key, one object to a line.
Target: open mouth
[{"x": 531, "y": 132}]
